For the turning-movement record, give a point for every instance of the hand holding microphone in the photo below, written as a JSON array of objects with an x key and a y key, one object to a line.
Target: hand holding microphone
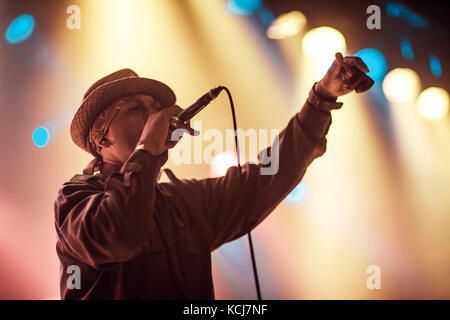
[
  {"x": 157, "y": 133},
  {"x": 181, "y": 120}
]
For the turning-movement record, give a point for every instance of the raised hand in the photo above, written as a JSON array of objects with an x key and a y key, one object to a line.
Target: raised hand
[{"x": 344, "y": 76}]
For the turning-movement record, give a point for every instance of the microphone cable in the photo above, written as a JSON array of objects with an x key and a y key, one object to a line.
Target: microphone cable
[
  {"x": 250, "y": 242},
  {"x": 188, "y": 114}
]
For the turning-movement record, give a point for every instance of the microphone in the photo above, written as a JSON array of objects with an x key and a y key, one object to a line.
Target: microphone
[{"x": 188, "y": 113}]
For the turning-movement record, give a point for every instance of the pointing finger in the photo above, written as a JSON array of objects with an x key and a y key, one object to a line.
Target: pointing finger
[
  {"x": 347, "y": 69},
  {"x": 339, "y": 59},
  {"x": 337, "y": 64},
  {"x": 357, "y": 62}
]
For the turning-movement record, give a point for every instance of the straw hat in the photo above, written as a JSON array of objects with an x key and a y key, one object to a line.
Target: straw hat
[{"x": 109, "y": 88}]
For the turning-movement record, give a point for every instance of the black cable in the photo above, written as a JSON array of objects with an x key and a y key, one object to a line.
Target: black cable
[{"x": 252, "y": 253}]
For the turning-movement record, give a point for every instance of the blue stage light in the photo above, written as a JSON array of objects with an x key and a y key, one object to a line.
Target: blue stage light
[
  {"x": 243, "y": 7},
  {"x": 406, "y": 49},
  {"x": 297, "y": 194},
  {"x": 398, "y": 10},
  {"x": 393, "y": 10},
  {"x": 20, "y": 29},
  {"x": 265, "y": 16},
  {"x": 435, "y": 66},
  {"x": 376, "y": 62},
  {"x": 41, "y": 137}
]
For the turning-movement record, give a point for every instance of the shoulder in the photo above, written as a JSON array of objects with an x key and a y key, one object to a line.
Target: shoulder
[
  {"x": 81, "y": 181},
  {"x": 85, "y": 178}
]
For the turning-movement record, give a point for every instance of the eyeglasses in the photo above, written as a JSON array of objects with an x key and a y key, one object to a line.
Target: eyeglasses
[{"x": 101, "y": 125}]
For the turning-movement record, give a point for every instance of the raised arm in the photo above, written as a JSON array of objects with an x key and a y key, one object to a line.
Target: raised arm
[{"x": 230, "y": 207}]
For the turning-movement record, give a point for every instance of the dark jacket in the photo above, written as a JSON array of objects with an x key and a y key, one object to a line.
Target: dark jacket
[{"x": 135, "y": 238}]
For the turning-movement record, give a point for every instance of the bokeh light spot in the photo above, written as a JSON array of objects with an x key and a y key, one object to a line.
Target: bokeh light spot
[
  {"x": 221, "y": 162},
  {"x": 433, "y": 103},
  {"x": 286, "y": 25},
  {"x": 320, "y": 44},
  {"x": 20, "y": 29},
  {"x": 297, "y": 194},
  {"x": 243, "y": 7},
  {"x": 41, "y": 136},
  {"x": 401, "y": 85},
  {"x": 375, "y": 61},
  {"x": 406, "y": 50},
  {"x": 435, "y": 66}
]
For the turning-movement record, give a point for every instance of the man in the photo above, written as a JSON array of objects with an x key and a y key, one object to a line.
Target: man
[{"x": 134, "y": 238}]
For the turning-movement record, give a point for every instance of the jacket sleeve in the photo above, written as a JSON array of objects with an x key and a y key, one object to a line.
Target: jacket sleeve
[
  {"x": 231, "y": 206},
  {"x": 106, "y": 224}
]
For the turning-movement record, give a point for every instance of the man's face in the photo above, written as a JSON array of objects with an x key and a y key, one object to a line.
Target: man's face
[{"x": 126, "y": 128}]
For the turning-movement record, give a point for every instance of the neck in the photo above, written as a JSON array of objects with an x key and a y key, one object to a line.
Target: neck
[{"x": 109, "y": 168}]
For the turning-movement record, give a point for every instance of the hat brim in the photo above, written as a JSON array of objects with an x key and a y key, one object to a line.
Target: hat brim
[{"x": 104, "y": 95}]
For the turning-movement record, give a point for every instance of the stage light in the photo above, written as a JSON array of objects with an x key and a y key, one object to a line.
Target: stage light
[
  {"x": 20, "y": 29},
  {"x": 297, "y": 194},
  {"x": 398, "y": 10},
  {"x": 221, "y": 162},
  {"x": 41, "y": 136},
  {"x": 286, "y": 25},
  {"x": 401, "y": 85},
  {"x": 243, "y": 7},
  {"x": 435, "y": 66},
  {"x": 265, "y": 16},
  {"x": 433, "y": 103},
  {"x": 320, "y": 44},
  {"x": 376, "y": 62},
  {"x": 323, "y": 39},
  {"x": 406, "y": 50},
  {"x": 393, "y": 10}
]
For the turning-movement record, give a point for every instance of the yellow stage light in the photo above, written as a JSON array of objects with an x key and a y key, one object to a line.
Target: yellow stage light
[
  {"x": 401, "y": 85},
  {"x": 320, "y": 44},
  {"x": 221, "y": 162},
  {"x": 286, "y": 25},
  {"x": 433, "y": 103}
]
